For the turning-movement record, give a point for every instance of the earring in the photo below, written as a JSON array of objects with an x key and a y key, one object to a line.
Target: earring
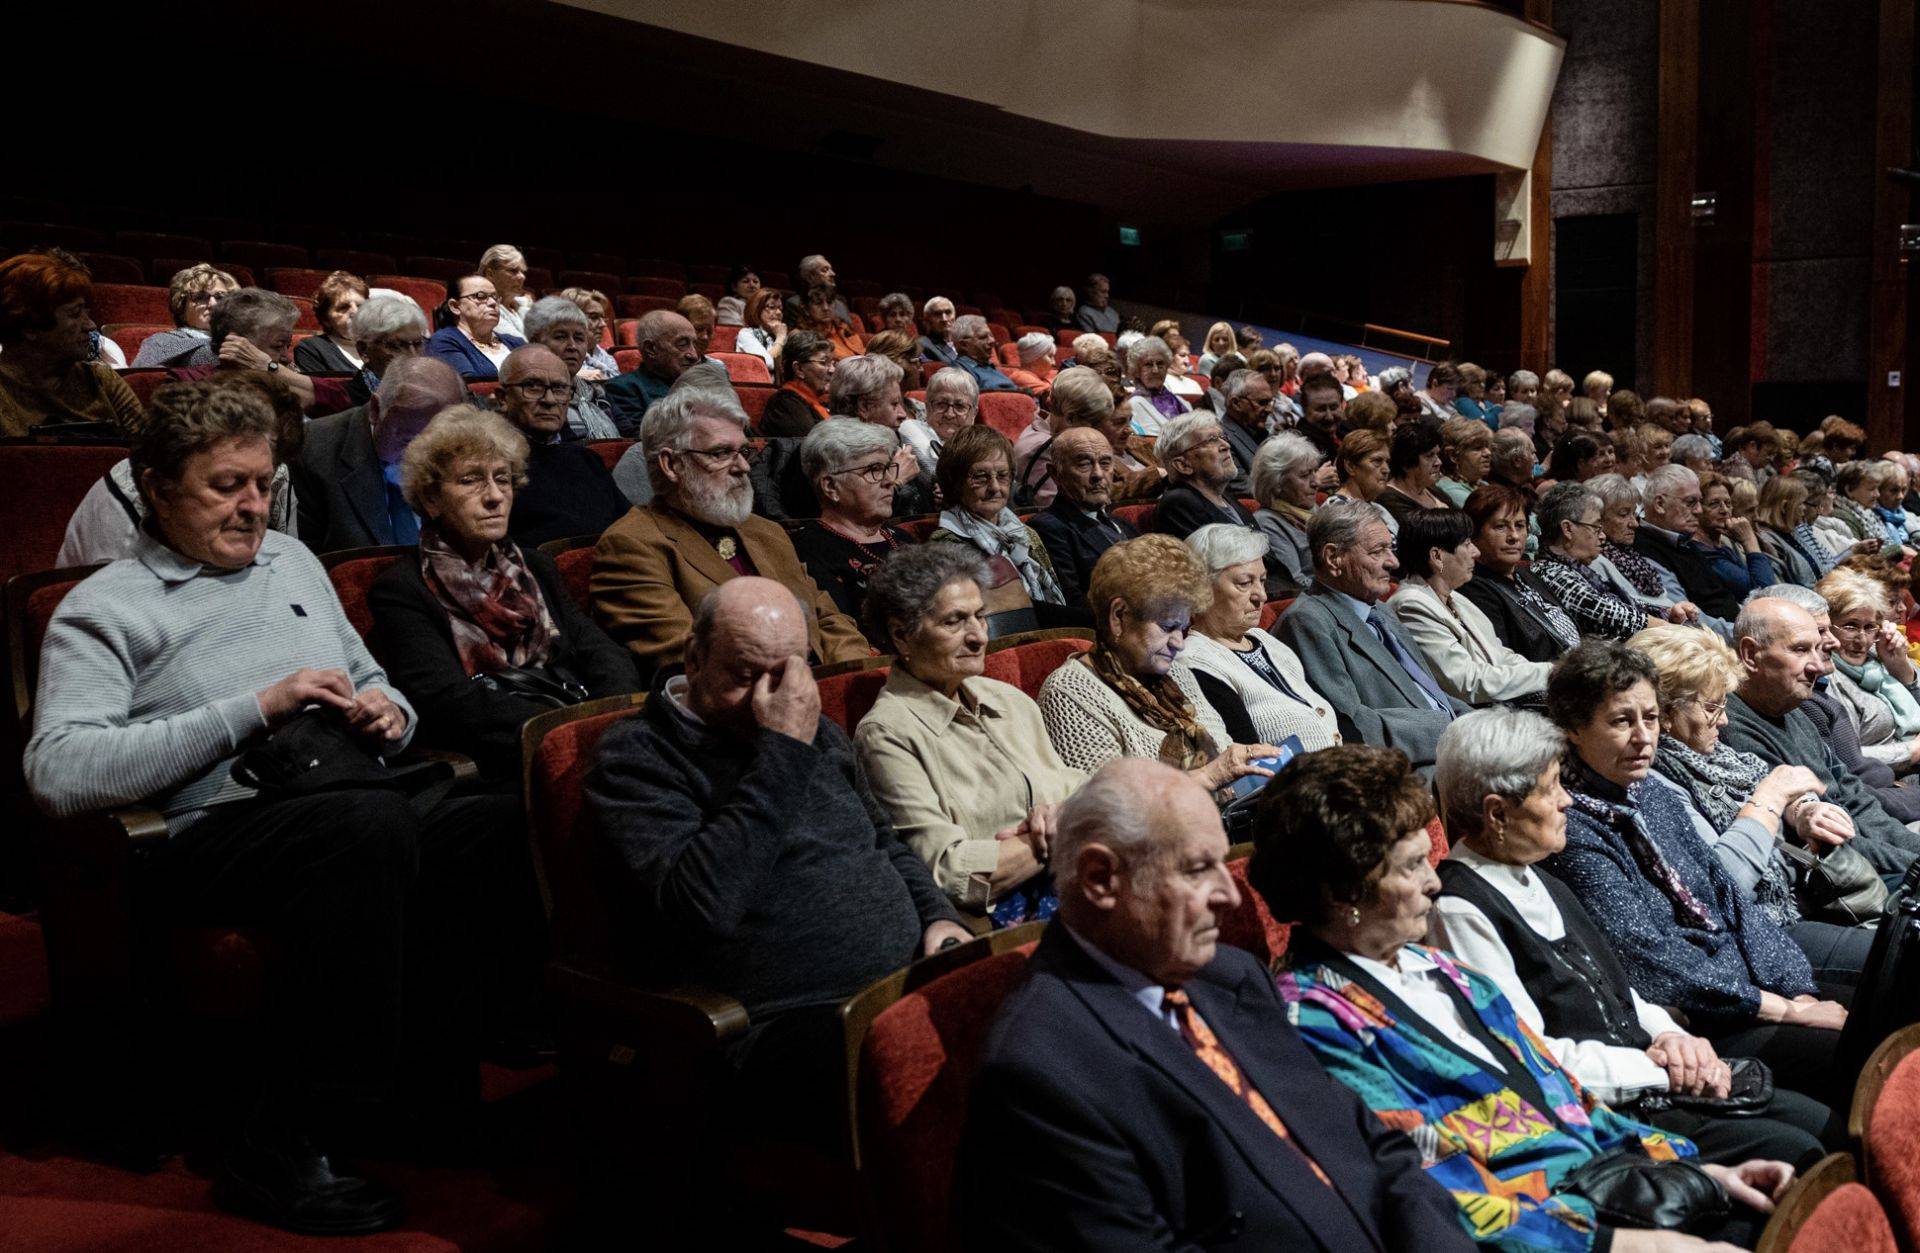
[{"x": 1353, "y": 917}]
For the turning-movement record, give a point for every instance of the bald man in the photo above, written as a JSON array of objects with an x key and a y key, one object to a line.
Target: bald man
[
  {"x": 347, "y": 480},
  {"x": 569, "y": 490},
  {"x": 1076, "y": 527},
  {"x": 668, "y": 345},
  {"x": 751, "y": 857}
]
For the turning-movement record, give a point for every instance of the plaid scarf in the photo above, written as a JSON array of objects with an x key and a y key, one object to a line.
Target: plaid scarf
[
  {"x": 499, "y": 617},
  {"x": 1160, "y": 704}
]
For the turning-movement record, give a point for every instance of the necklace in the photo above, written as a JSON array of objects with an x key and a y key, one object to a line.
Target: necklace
[{"x": 866, "y": 552}]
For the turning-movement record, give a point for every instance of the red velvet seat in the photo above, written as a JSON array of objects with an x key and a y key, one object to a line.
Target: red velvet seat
[
  {"x": 671, "y": 288},
  {"x": 611, "y": 450},
  {"x": 356, "y": 261},
  {"x": 598, "y": 280},
  {"x": 1141, "y": 516},
  {"x": 1892, "y": 1148},
  {"x": 1007, "y": 412},
  {"x": 151, "y": 244},
  {"x": 130, "y": 335},
  {"x": 845, "y": 698},
  {"x": 712, "y": 291},
  {"x": 1252, "y": 926},
  {"x": 44, "y": 485},
  {"x": 1063, "y": 342},
  {"x": 306, "y": 321},
  {"x": 753, "y": 400},
  {"x": 1027, "y": 666},
  {"x": 919, "y": 528},
  {"x": 164, "y": 268},
  {"x": 603, "y": 262},
  {"x": 704, "y": 274},
  {"x": 653, "y": 267},
  {"x": 576, "y": 574},
  {"x": 108, "y": 267},
  {"x": 1271, "y": 611},
  {"x": 628, "y": 359},
  {"x": 743, "y": 367},
  {"x": 428, "y": 293},
  {"x": 626, "y": 331},
  {"x": 1848, "y": 1220},
  {"x": 1008, "y": 355},
  {"x": 483, "y": 387},
  {"x": 440, "y": 269},
  {"x": 296, "y": 281},
  {"x": 19, "y": 236},
  {"x": 352, "y": 572},
  {"x": 724, "y": 339},
  {"x": 265, "y": 256},
  {"x": 634, "y": 306},
  {"x": 129, "y": 302}
]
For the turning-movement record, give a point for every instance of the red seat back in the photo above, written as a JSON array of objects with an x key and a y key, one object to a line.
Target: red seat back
[
  {"x": 1893, "y": 1145},
  {"x": 743, "y": 367},
  {"x": 576, "y": 573},
  {"x": 125, "y": 302},
  {"x": 106, "y": 267},
  {"x": 1271, "y": 611},
  {"x": 653, "y": 268},
  {"x": 352, "y": 574},
  {"x": 441, "y": 269},
  {"x": 482, "y": 387},
  {"x": 671, "y": 288},
  {"x": 293, "y": 281},
  {"x": 610, "y": 450},
  {"x": 724, "y": 339},
  {"x": 634, "y": 306},
  {"x": 265, "y": 256},
  {"x": 1141, "y": 516},
  {"x": 130, "y": 335},
  {"x": 354, "y": 261},
  {"x": 1007, "y": 412},
  {"x": 916, "y": 1063},
  {"x": 44, "y": 485},
  {"x": 1850, "y": 1219},
  {"x": 1027, "y": 666},
  {"x": 753, "y": 400},
  {"x": 846, "y": 698},
  {"x": 628, "y": 359},
  {"x": 149, "y": 244},
  {"x": 428, "y": 293},
  {"x": 598, "y": 280},
  {"x": 562, "y": 829}
]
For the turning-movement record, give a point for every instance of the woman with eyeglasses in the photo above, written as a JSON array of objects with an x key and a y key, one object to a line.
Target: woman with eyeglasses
[
  {"x": 807, "y": 363},
  {"x": 1873, "y": 677},
  {"x": 855, "y": 472},
  {"x": 1571, "y": 538},
  {"x": 975, "y": 476},
  {"x": 473, "y": 604},
  {"x": 600, "y": 365},
  {"x": 953, "y": 403},
  {"x": 469, "y": 338}
]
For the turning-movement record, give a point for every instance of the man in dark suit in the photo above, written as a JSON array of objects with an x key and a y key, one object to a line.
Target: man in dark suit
[
  {"x": 347, "y": 481},
  {"x": 1353, "y": 647},
  {"x": 1671, "y": 510},
  {"x": 1143, "y": 1088},
  {"x": 1199, "y": 464},
  {"x": 1076, "y": 527}
]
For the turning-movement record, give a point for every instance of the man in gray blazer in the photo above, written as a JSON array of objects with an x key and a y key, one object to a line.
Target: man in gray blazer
[
  {"x": 1352, "y": 646},
  {"x": 341, "y": 483}
]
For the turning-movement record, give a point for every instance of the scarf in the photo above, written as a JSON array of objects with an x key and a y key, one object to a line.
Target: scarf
[
  {"x": 1893, "y": 522},
  {"x": 1292, "y": 513},
  {"x": 1719, "y": 785},
  {"x": 499, "y": 617},
  {"x": 1858, "y": 517},
  {"x": 1640, "y": 572},
  {"x": 1817, "y": 551},
  {"x": 1872, "y": 677},
  {"x": 1007, "y": 536},
  {"x": 807, "y": 394},
  {"x": 1160, "y": 704},
  {"x": 1591, "y": 795}
]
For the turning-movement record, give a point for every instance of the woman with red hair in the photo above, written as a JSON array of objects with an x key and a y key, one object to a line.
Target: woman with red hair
[{"x": 45, "y": 377}]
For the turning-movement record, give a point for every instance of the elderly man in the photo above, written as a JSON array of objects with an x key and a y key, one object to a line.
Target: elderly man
[
  {"x": 1094, "y": 313},
  {"x": 974, "y": 342},
  {"x": 569, "y": 490},
  {"x": 559, "y": 325},
  {"x": 1670, "y": 513},
  {"x": 1199, "y": 465},
  {"x": 1249, "y": 400},
  {"x": 1353, "y": 647},
  {"x": 668, "y": 346},
  {"x": 252, "y": 329},
  {"x": 936, "y": 339},
  {"x": 347, "y": 481},
  {"x": 384, "y": 328},
  {"x": 748, "y": 855},
  {"x": 1322, "y": 407},
  {"x": 1513, "y": 461},
  {"x": 653, "y": 567},
  {"x": 813, "y": 271},
  {"x": 1076, "y": 527},
  {"x": 1143, "y": 1087},
  {"x": 1782, "y": 656}
]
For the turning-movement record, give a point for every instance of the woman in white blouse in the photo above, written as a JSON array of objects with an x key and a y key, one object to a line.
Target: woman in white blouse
[
  {"x": 1436, "y": 553},
  {"x": 1252, "y": 681}
]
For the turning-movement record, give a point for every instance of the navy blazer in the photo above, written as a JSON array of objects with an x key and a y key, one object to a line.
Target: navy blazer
[
  {"x": 1075, "y": 543},
  {"x": 341, "y": 488},
  {"x": 451, "y": 345},
  {"x": 1093, "y": 1126}
]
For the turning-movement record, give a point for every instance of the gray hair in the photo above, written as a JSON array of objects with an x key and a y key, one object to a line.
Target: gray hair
[
  {"x": 1614, "y": 488},
  {"x": 1491, "y": 752},
  {"x": 1519, "y": 415},
  {"x": 839, "y": 442},
  {"x": 1127, "y": 342},
  {"x": 1080, "y": 396},
  {"x": 417, "y": 382},
  {"x": 551, "y": 311},
  {"x": 710, "y": 377},
  {"x": 382, "y": 316},
  {"x": 1237, "y": 383},
  {"x": 250, "y": 311},
  {"x": 1057, "y": 292},
  {"x": 1183, "y": 432},
  {"x": 1686, "y": 448},
  {"x": 1507, "y": 443},
  {"x": 1111, "y": 808},
  {"x": 668, "y": 425},
  {"x": 1565, "y": 502},
  {"x": 857, "y": 378},
  {"x": 927, "y": 309},
  {"x": 810, "y": 264},
  {"x": 1338, "y": 526},
  {"x": 1222, "y": 545},
  {"x": 902, "y": 590},
  {"x": 897, "y": 300},
  {"x": 652, "y": 324},
  {"x": 1393, "y": 376},
  {"x": 1278, "y": 457},
  {"x": 1669, "y": 477},
  {"x": 951, "y": 378},
  {"x": 1148, "y": 348},
  {"x": 1752, "y": 623},
  {"x": 968, "y": 324},
  {"x": 1520, "y": 378},
  {"x": 1034, "y": 345}
]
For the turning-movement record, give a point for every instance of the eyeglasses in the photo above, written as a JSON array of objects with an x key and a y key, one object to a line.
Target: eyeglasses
[
  {"x": 403, "y": 345},
  {"x": 877, "y": 473},
  {"x": 950, "y": 406},
  {"x": 1851, "y": 629},
  {"x": 534, "y": 389},
  {"x": 480, "y": 297},
  {"x": 1711, "y": 708},
  {"x": 718, "y": 458},
  {"x": 502, "y": 479},
  {"x": 206, "y": 297},
  {"x": 990, "y": 478},
  {"x": 1593, "y": 526}
]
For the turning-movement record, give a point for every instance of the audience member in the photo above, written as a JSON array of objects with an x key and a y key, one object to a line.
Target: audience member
[
  {"x": 1436, "y": 554},
  {"x": 1671, "y": 504},
  {"x": 332, "y": 351},
  {"x": 747, "y": 853},
  {"x": 698, "y": 311},
  {"x": 504, "y": 267},
  {"x": 743, "y": 284},
  {"x": 1097, "y": 355},
  {"x": 1250, "y": 1140},
  {"x": 1787, "y": 506},
  {"x": 1077, "y": 527},
  {"x": 823, "y": 313},
  {"x": 348, "y": 477},
  {"x": 1199, "y": 465},
  {"x": 667, "y": 348},
  {"x": 1248, "y": 399},
  {"x": 478, "y": 631},
  {"x": 961, "y": 762},
  {"x": 601, "y": 364},
  {"x": 1218, "y": 343},
  {"x": 385, "y": 329},
  {"x": 1154, "y": 404},
  {"x": 936, "y": 334},
  {"x": 1413, "y": 472},
  {"x": 764, "y": 334},
  {"x": 1061, "y": 303},
  {"x": 45, "y": 377},
  {"x": 569, "y": 490},
  {"x": 653, "y": 567},
  {"x": 1283, "y": 477},
  {"x": 854, "y": 468},
  {"x": 974, "y": 342},
  {"x": 807, "y": 366},
  {"x": 1468, "y": 448},
  {"x": 1728, "y": 542},
  {"x": 557, "y": 324},
  {"x": 1470, "y": 399},
  {"x": 1570, "y": 542},
  {"x": 1648, "y": 582},
  {"x": 975, "y": 478},
  {"x": 1513, "y": 463},
  {"x": 1525, "y": 612},
  {"x": 814, "y": 271},
  {"x": 192, "y": 294},
  {"x": 1856, "y": 490},
  {"x": 953, "y": 403},
  {"x": 1094, "y": 313},
  {"x": 896, "y": 315},
  {"x": 1365, "y": 464},
  {"x": 1034, "y": 374},
  {"x": 470, "y": 339},
  {"x": 1354, "y": 649},
  {"x": 1436, "y": 398},
  {"x": 252, "y": 329},
  {"x": 1873, "y": 677},
  {"x": 1582, "y": 455},
  {"x": 157, "y": 675}
]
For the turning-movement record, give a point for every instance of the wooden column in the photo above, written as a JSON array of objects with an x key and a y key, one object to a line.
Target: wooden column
[
  {"x": 1893, "y": 413},
  {"x": 1674, "y": 170},
  {"x": 1536, "y": 284},
  {"x": 1731, "y": 107}
]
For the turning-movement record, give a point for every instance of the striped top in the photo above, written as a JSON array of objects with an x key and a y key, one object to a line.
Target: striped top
[{"x": 150, "y": 668}]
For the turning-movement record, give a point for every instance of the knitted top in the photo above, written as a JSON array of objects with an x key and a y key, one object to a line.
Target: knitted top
[{"x": 1090, "y": 725}]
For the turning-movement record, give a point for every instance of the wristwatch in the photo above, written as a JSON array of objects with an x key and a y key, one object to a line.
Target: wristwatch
[{"x": 272, "y": 366}]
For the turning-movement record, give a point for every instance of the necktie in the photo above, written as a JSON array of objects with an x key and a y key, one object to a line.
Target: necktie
[
  {"x": 1206, "y": 1046},
  {"x": 1408, "y": 662}
]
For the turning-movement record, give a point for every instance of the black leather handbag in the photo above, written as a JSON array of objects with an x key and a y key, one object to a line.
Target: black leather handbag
[
  {"x": 1629, "y": 1189},
  {"x": 317, "y": 752},
  {"x": 551, "y": 685},
  {"x": 1750, "y": 1092}
]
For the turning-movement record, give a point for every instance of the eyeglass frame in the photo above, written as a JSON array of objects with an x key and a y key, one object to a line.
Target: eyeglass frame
[{"x": 886, "y": 472}]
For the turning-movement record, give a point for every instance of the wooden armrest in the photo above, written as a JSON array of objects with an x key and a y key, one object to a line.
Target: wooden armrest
[
  {"x": 464, "y": 769},
  {"x": 141, "y": 825},
  {"x": 698, "y": 1017}
]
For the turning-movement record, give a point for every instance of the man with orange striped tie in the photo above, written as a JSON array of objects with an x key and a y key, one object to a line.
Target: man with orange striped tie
[{"x": 1143, "y": 1089}]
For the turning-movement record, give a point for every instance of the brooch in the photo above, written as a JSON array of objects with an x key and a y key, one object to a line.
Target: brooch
[{"x": 727, "y": 547}]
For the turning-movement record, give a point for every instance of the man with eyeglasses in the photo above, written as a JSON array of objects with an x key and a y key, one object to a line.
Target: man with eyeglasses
[
  {"x": 385, "y": 328},
  {"x": 668, "y": 346},
  {"x": 347, "y": 480},
  {"x": 654, "y": 566},
  {"x": 974, "y": 340},
  {"x": 569, "y": 489},
  {"x": 1670, "y": 514},
  {"x": 1199, "y": 465}
]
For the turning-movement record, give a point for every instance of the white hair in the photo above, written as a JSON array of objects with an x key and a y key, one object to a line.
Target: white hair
[
  {"x": 839, "y": 442},
  {"x": 1491, "y": 752},
  {"x": 551, "y": 311},
  {"x": 857, "y": 378},
  {"x": 968, "y": 324},
  {"x": 1612, "y": 489},
  {"x": 382, "y": 316},
  {"x": 1339, "y": 527},
  {"x": 1034, "y": 345},
  {"x": 1222, "y": 545},
  {"x": 1278, "y": 457},
  {"x": 1183, "y": 432},
  {"x": 1112, "y": 808},
  {"x": 951, "y": 378},
  {"x": 668, "y": 425},
  {"x": 1671, "y": 477}
]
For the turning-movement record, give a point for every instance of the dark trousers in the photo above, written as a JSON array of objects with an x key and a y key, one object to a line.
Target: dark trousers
[
  {"x": 393, "y": 935},
  {"x": 1801, "y": 1058},
  {"x": 1794, "y": 1129},
  {"x": 1838, "y": 955}
]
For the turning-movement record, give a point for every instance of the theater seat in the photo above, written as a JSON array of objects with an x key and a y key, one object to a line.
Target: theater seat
[
  {"x": 654, "y": 267},
  {"x": 753, "y": 400},
  {"x": 1025, "y": 661},
  {"x": 634, "y": 306},
  {"x": 743, "y": 367},
  {"x": 107, "y": 267},
  {"x": 724, "y": 338},
  {"x": 352, "y": 572},
  {"x": 441, "y": 269},
  {"x": 628, "y": 359},
  {"x": 1826, "y": 1210},
  {"x": 354, "y": 261},
  {"x": 598, "y": 280},
  {"x": 918, "y": 529},
  {"x": 1141, "y": 516},
  {"x": 129, "y": 302},
  {"x": 575, "y": 565},
  {"x": 306, "y": 321},
  {"x": 45, "y": 485},
  {"x": 428, "y": 293},
  {"x": 296, "y": 282},
  {"x": 130, "y": 335},
  {"x": 704, "y": 274},
  {"x": 1271, "y": 611},
  {"x": 151, "y": 244},
  {"x": 265, "y": 256},
  {"x": 1008, "y": 412},
  {"x": 1252, "y": 926},
  {"x": 845, "y": 698},
  {"x": 671, "y": 288}
]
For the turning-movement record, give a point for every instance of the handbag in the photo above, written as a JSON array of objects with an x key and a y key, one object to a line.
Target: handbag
[
  {"x": 1749, "y": 1092},
  {"x": 1838, "y": 886},
  {"x": 1629, "y": 1189},
  {"x": 550, "y": 685},
  {"x": 317, "y": 752}
]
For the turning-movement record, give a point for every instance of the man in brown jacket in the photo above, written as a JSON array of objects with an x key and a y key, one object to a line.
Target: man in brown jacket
[{"x": 654, "y": 565}]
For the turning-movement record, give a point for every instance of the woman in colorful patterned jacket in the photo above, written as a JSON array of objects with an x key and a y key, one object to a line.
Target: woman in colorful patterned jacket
[{"x": 1436, "y": 1050}]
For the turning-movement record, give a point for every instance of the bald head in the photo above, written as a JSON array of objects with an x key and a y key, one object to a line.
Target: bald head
[
  {"x": 745, "y": 628},
  {"x": 668, "y": 343},
  {"x": 530, "y": 359},
  {"x": 1083, "y": 466},
  {"x": 535, "y": 388},
  {"x": 1780, "y": 651},
  {"x": 1315, "y": 363}
]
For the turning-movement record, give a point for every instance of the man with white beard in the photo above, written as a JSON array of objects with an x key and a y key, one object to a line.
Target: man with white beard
[{"x": 653, "y": 567}]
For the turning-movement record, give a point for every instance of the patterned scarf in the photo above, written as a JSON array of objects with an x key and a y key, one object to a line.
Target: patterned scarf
[
  {"x": 1872, "y": 677},
  {"x": 1639, "y": 571},
  {"x": 1858, "y": 517},
  {"x": 1591, "y": 794},
  {"x": 1007, "y": 536},
  {"x": 1719, "y": 785},
  {"x": 1160, "y": 704},
  {"x": 499, "y": 617},
  {"x": 1816, "y": 548},
  {"x": 1893, "y": 523}
]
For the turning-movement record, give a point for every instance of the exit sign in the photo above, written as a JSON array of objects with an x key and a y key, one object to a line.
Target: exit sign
[
  {"x": 1129, "y": 237},
  {"x": 1236, "y": 241}
]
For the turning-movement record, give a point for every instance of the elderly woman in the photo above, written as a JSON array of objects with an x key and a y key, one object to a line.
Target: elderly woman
[
  {"x": 1079, "y": 397},
  {"x": 559, "y": 325},
  {"x": 252, "y": 329},
  {"x": 45, "y": 376},
  {"x": 191, "y": 295},
  {"x": 1873, "y": 676},
  {"x": 1153, "y": 403},
  {"x": 1364, "y": 461},
  {"x": 1341, "y": 850},
  {"x": 1283, "y": 477},
  {"x": 601, "y": 364},
  {"x": 1498, "y": 781},
  {"x": 1787, "y": 507},
  {"x": 765, "y": 334},
  {"x": 332, "y": 351},
  {"x": 1525, "y": 613},
  {"x": 504, "y": 267},
  {"x": 743, "y": 284},
  {"x": 1035, "y": 372},
  {"x": 164, "y": 676},
  {"x": 1679, "y": 922},
  {"x": 1220, "y": 342},
  {"x": 819, "y": 314},
  {"x": 1580, "y": 456},
  {"x": 1413, "y": 472},
  {"x": 854, "y": 468},
  {"x": 1655, "y": 587},
  {"x": 1468, "y": 449},
  {"x": 1253, "y": 682},
  {"x": 975, "y": 475},
  {"x": 1122, "y": 698},
  {"x": 953, "y": 404},
  {"x": 807, "y": 364},
  {"x": 479, "y": 632},
  {"x": 1733, "y": 547},
  {"x": 470, "y": 339},
  {"x": 896, "y": 315},
  {"x": 868, "y": 388},
  {"x": 1744, "y": 810},
  {"x": 1890, "y": 495},
  {"x": 1571, "y": 540},
  {"x": 1437, "y": 555},
  {"x": 1855, "y": 492},
  {"x": 1061, "y": 303},
  {"x": 961, "y": 762}
]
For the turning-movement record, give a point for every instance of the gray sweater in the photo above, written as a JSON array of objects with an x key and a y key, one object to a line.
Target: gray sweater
[{"x": 149, "y": 670}]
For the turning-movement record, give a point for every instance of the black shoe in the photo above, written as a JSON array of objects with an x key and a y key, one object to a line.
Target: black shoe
[{"x": 286, "y": 1182}]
